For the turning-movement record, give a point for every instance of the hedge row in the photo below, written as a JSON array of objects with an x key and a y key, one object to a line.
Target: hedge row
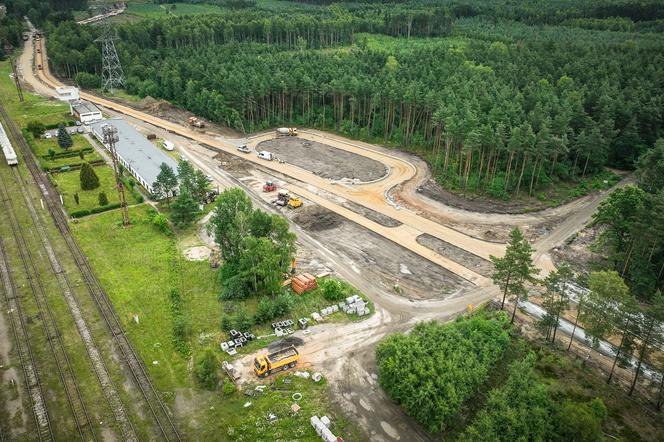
[
  {"x": 69, "y": 153},
  {"x": 73, "y": 166},
  {"x": 56, "y": 125},
  {"x": 85, "y": 212}
]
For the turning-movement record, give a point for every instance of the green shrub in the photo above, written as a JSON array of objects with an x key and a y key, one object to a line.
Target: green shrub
[
  {"x": 206, "y": 370},
  {"x": 160, "y": 221},
  {"x": 36, "y": 128},
  {"x": 332, "y": 290},
  {"x": 103, "y": 199},
  {"x": 228, "y": 388}
]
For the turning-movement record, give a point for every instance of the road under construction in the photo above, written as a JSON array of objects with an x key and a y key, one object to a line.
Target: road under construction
[{"x": 333, "y": 345}]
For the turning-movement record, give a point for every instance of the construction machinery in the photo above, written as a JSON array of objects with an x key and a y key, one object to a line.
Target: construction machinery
[
  {"x": 269, "y": 186},
  {"x": 287, "y": 131},
  {"x": 282, "y": 198},
  {"x": 294, "y": 202},
  {"x": 266, "y": 364},
  {"x": 196, "y": 122}
]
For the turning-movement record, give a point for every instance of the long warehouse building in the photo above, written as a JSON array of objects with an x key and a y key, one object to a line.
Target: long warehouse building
[{"x": 138, "y": 155}]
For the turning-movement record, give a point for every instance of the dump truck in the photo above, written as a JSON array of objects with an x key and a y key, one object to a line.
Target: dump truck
[
  {"x": 287, "y": 131},
  {"x": 196, "y": 122},
  {"x": 269, "y": 186},
  {"x": 294, "y": 202},
  {"x": 266, "y": 364}
]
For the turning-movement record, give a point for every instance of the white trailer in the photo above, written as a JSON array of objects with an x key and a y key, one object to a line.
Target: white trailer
[{"x": 7, "y": 149}]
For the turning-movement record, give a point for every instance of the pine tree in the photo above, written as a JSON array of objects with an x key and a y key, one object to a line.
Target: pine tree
[
  {"x": 103, "y": 199},
  {"x": 184, "y": 209},
  {"x": 89, "y": 179},
  {"x": 165, "y": 183},
  {"x": 515, "y": 269},
  {"x": 64, "y": 139}
]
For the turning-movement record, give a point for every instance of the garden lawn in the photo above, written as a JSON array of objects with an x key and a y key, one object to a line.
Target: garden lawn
[{"x": 69, "y": 183}]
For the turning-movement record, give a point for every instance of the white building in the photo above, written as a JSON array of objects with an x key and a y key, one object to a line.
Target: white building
[
  {"x": 85, "y": 112},
  {"x": 139, "y": 156},
  {"x": 68, "y": 93}
]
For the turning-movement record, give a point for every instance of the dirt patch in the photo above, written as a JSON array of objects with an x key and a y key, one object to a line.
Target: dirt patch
[
  {"x": 576, "y": 251},
  {"x": 380, "y": 261},
  {"x": 316, "y": 218},
  {"x": 167, "y": 111},
  {"x": 323, "y": 160},
  {"x": 371, "y": 214},
  {"x": 199, "y": 253},
  {"x": 463, "y": 257},
  {"x": 234, "y": 164}
]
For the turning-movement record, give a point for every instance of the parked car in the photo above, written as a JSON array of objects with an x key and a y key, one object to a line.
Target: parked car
[
  {"x": 183, "y": 158},
  {"x": 264, "y": 154},
  {"x": 78, "y": 123},
  {"x": 209, "y": 178},
  {"x": 169, "y": 146},
  {"x": 244, "y": 149},
  {"x": 48, "y": 135},
  {"x": 80, "y": 130}
]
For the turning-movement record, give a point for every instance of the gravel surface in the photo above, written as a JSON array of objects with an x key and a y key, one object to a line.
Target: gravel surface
[{"x": 323, "y": 160}]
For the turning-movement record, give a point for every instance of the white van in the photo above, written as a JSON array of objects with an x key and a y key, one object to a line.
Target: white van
[
  {"x": 264, "y": 154},
  {"x": 169, "y": 146}
]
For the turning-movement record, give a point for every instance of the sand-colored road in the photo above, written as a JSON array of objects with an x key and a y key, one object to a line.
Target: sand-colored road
[{"x": 370, "y": 195}]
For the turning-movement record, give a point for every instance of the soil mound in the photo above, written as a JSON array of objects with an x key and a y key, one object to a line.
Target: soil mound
[{"x": 316, "y": 218}]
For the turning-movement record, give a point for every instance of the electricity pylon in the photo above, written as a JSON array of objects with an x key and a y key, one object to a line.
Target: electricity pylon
[{"x": 112, "y": 76}]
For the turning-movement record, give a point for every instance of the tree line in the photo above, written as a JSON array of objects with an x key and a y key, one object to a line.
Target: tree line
[{"x": 507, "y": 116}]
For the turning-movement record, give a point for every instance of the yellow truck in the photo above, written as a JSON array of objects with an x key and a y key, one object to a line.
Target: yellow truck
[
  {"x": 294, "y": 202},
  {"x": 266, "y": 364}
]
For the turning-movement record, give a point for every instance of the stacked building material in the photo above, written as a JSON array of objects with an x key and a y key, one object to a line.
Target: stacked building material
[{"x": 303, "y": 283}]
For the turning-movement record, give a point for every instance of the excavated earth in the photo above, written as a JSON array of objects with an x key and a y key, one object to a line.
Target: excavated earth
[{"x": 323, "y": 160}]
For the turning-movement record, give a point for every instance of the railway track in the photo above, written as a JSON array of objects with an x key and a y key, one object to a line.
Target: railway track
[
  {"x": 155, "y": 404},
  {"x": 17, "y": 322},
  {"x": 49, "y": 325}
]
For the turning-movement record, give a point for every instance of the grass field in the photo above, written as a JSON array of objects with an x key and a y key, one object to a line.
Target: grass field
[
  {"x": 139, "y": 266},
  {"x": 33, "y": 108},
  {"x": 69, "y": 183}
]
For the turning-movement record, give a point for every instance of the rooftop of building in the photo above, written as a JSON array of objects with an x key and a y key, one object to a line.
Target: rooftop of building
[{"x": 143, "y": 156}]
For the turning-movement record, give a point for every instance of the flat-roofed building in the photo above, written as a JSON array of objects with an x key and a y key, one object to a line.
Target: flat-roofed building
[
  {"x": 139, "y": 156},
  {"x": 85, "y": 111},
  {"x": 68, "y": 93}
]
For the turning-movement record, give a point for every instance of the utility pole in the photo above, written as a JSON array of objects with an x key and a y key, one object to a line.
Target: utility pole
[
  {"x": 112, "y": 75},
  {"x": 110, "y": 138},
  {"x": 19, "y": 88}
]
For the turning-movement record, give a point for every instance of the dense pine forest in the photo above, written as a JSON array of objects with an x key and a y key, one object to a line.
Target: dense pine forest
[{"x": 502, "y": 98}]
